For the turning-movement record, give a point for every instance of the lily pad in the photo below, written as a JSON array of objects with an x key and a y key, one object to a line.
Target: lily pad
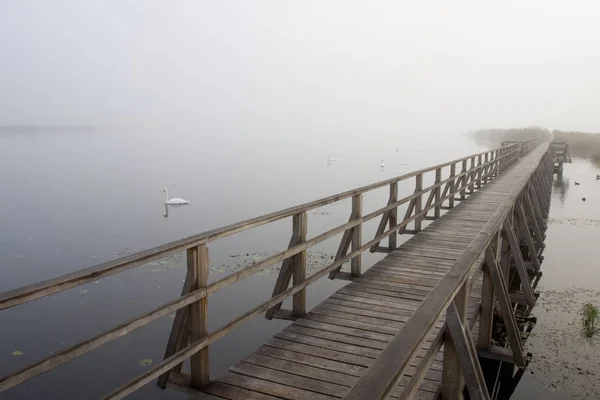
[
  {"x": 146, "y": 362},
  {"x": 17, "y": 353}
]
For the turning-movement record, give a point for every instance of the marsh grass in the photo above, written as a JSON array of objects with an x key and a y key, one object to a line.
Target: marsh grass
[{"x": 589, "y": 320}]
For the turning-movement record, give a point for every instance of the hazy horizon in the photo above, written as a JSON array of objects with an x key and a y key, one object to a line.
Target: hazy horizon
[{"x": 284, "y": 68}]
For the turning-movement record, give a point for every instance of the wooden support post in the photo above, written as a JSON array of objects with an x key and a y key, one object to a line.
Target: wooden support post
[
  {"x": 488, "y": 302},
  {"x": 466, "y": 355},
  {"x": 536, "y": 206},
  {"x": 486, "y": 160},
  {"x": 464, "y": 180},
  {"x": 506, "y": 310},
  {"x": 438, "y": 192},
  {"x": 393, "y": 219},
  {"x": 197, "y": 258},
  {"x": 355, "y": 264},
  {"x": 537, "y": 225},
  {"x": 452, "y": 185},
  {"x": 479, "y": 171},
  {"x": 178, "y": 329},
  {"x": 300, "y": 224},
  {"x": 452, "y": 374},
  {"x": 515, "y": 250},
  {"x": 407, "y": 214},
  {"x": 286, "y": 271},
  {"x": 527, "y": 234},
  {"x": 472, "y": 176},
  {"x": 418, "y": 201}
]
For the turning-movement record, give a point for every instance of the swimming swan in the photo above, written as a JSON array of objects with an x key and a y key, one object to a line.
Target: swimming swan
[{"x": 173, "y": 201}]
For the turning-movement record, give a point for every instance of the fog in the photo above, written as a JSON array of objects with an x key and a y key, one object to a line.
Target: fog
[{"x": 351, "y": 68}]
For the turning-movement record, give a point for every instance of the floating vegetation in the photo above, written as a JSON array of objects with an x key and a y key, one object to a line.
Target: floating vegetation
[
  {"x": 589, "y": 320},
  {"x": 83, "y": 291},
  {"x": 17, "y": 353},
  {"x": 146, "y": 362}
]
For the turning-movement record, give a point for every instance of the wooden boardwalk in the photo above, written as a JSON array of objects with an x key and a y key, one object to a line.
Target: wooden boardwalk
[
  {"x": 322, "y": 355},
  {"x": 411, "y": 326}
]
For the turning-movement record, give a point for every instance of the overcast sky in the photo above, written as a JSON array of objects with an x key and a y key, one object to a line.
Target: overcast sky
[{"x": 433, "y": 66}]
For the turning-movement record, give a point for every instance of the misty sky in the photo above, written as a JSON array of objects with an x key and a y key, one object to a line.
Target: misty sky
[{"x": 397, "y": 66}]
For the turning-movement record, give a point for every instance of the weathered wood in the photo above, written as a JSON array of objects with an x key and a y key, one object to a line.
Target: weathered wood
[
  {"x": 520, "y": 264},
  {"x": 418, "y": 200},
  {"x": 197, "y": 258},
  {"x": 488, "y": 302},
  {"x": 452, "y": 185},
  {"x": 527, "y": 234},
  {"x": 452, "y": 378},
  {"x": 284, "y": 277},
  {"x": 463, "y": 183},
  {"x": 537, "y": 225},
  {"x": 176, "y": 337},
  {"x": 497, "y": 353},
  {"x": 300, "y": 226},
  {"x": 393, "y": 214},
  {"x": 438, "y": 179},
  {"x": 506, "y": 311},
  {"x": 355, "y": 263},
  {"x": 467, "y": 356}
]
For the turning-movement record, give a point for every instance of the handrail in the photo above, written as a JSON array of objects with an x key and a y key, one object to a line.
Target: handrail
[
  {"x": 68, "y": 281},
  {"x": 457, "y": 183},
  {"x": 383, "y": 374}
]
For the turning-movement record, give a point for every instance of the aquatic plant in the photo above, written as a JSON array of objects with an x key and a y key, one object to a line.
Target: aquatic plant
[{"x": 589, "y": 320}]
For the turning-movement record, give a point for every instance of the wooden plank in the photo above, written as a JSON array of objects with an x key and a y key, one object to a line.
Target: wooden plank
[
  {"x": 300, "y": 226},
  {"x": 271, "y": 388},
  {"x": 497, "y": 353},
  {"x": 424, "y": 367},
  {"x": 452, "y": 185},
  {"x": 215, "y": 390},
  {"x": 197, "y": 258}
]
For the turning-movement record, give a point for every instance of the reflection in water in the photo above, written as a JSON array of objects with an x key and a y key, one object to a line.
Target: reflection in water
[
  {"x": 561, "y": 186},
  {"x": 166, "y": 214}
]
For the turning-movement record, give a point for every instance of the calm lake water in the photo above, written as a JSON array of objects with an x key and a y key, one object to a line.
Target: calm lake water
[{"x": 75, "y": 199}]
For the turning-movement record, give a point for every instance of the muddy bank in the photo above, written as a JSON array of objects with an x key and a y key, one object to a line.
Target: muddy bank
[{"x": 563, "y": 359}]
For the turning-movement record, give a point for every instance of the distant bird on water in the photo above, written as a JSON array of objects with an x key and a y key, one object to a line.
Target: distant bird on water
[
  {"x": 576, "y": 183},
  {"x": 382, "y": 164},
  {"x": 583, "y": 198},
  {"x": 597, "y": 177}
]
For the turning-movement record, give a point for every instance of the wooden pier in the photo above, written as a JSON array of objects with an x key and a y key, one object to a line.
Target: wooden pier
[{"x": 410, "y": 326}]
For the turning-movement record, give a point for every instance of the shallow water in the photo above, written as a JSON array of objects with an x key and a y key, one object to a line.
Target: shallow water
[
  {"x": 564, "y": 364},
  {"x": 75, "y": 199}
]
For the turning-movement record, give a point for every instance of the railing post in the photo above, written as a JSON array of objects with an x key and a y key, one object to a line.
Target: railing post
[
  {"x": 452, "y": 374},
  {"x": 438, "y": 193},
  {"x": 300, "y": 223},
  {"x": 479, "y": 171},
  {"x": 486, "y": 169},
  {"x": 452, "y": 185},
  {"x": 355, "y": 263},
  {"x": 418, "y": 202},
  {"x": 393, "y": 219},
  {"x": 463, "y": 180},
  {"x": 197, "y": 261},
  {"x": 472, "y": 174}
]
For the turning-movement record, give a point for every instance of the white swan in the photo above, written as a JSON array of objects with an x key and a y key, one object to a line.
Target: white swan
[
  {"x": 173, "y": 201},
  {"x": 382, "y": 164},
  {"x": 330, "y": 159}
]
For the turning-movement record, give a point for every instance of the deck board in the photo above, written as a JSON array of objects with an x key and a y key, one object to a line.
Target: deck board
[{"x": 322, "y": 355}]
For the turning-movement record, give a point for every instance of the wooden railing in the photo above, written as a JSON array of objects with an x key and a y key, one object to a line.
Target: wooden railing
[
  {"x": 190, "y": 338},
  {"x": 494, "y": 252}
]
